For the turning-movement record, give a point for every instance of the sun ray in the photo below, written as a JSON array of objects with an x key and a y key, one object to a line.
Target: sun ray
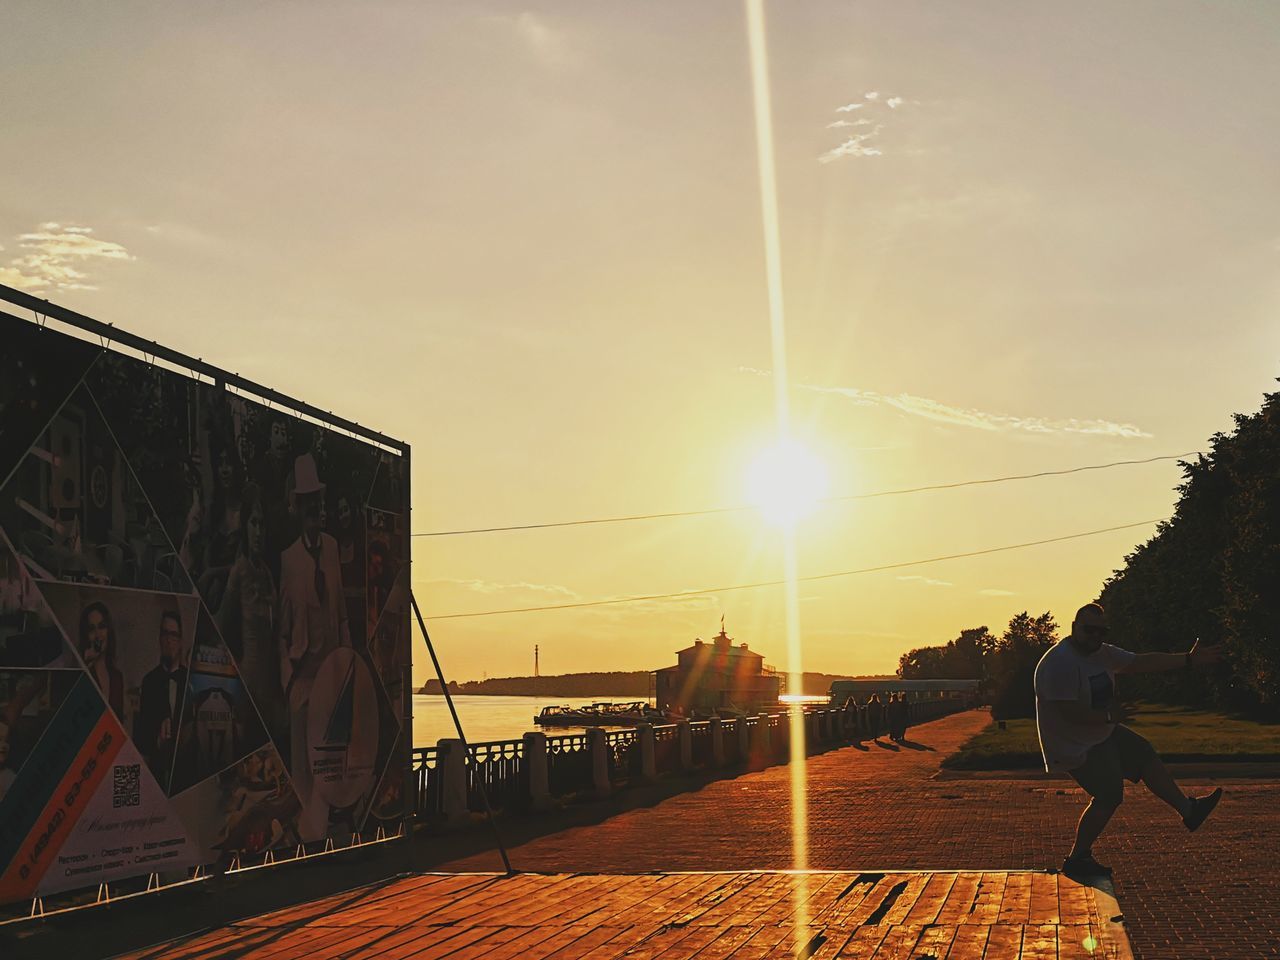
[{"x": 782, "y": 412}]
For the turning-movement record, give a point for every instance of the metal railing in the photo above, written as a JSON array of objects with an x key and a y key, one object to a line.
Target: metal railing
[
  {"x": 729, "y": 740},
  {"x": 568, "y": 763},
  {"x": 500, "y": 766},
  {"x": 700, "y": 731},
  {"x": 496, "y": 767},
  {"x": 623, "y": 753},
  {"x": 429, "y": 777},
  {"x": 666, "y": 749}
]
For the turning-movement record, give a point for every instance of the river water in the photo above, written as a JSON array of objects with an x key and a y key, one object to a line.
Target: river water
[{"x": 489, "y": 718}]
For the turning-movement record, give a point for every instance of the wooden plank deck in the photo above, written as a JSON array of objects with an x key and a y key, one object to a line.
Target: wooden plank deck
[{"x": 817, "y": 915}]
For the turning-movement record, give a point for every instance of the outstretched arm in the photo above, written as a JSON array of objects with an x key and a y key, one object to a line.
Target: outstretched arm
[{"x": 1159, "y": 662}]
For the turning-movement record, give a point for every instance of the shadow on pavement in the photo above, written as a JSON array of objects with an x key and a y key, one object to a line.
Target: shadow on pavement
[{"x": 147, "y": 921}]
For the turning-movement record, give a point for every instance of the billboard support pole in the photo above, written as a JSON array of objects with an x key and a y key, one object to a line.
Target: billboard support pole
[
  {"x": 409, "y": 789},
  {"x": 484, "y": 794}
]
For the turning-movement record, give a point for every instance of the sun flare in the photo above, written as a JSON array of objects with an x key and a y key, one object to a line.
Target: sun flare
[{"x": 786, "y": 482}]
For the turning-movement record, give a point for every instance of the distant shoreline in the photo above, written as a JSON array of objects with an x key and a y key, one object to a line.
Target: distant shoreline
[
  {"x": 632, "y": 685},
  {"x": 627, "y": 684}
]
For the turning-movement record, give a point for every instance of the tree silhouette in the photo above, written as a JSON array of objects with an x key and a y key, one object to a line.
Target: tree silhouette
[
  {"x": 1014, "y": 661},
  {"x": 963, "y": 658},
  {"x": 1212, "y": 573}
]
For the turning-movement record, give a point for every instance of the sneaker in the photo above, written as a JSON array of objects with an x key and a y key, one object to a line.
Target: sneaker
[
  {"x": 1201, "y": 807},
  {"x": 1080, "y": 867}
]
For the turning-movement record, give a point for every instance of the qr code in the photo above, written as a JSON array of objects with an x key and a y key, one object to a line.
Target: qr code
[{"x": 128, "y": 786}]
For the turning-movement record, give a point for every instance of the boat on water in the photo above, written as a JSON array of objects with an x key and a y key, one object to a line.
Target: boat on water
[{"x": 600, "y": 714}]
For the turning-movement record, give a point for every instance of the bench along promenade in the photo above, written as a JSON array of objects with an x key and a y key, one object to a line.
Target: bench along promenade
[{"x": 535, "y": 771}]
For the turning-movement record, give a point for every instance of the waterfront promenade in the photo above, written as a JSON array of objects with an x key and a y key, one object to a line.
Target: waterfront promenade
[
  {"x": 1207, "y": 896},
  {"x": 876, "y": 816}
]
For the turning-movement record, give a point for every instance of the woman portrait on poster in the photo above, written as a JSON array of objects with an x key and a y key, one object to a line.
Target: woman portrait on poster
[{"x": 97, "y": 645}]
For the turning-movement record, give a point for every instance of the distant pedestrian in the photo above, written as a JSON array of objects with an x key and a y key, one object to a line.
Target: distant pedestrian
[
  {"x": 904, "y": 721},
  {"x": 875, "y": 715},
  {"x": 900, "y": 718},
  {"x": 849, "y": 718},
  {"x": 1077, "y": 719}
]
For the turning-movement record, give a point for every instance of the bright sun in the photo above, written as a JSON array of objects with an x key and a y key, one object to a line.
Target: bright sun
[{"x": 786, "y": 482}]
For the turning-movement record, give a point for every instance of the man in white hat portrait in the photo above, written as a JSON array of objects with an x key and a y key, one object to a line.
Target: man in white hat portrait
[{"x": 313, "y": 623}]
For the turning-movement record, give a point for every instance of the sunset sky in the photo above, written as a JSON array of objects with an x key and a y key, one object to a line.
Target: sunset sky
[{"x": 526, "y": 238}]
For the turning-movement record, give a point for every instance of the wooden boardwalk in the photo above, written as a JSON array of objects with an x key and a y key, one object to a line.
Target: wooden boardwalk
[{"x": 679, "y": 916}]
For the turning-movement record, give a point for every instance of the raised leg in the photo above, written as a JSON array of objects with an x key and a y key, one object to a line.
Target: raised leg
[{"x": 1160, "y": 782}]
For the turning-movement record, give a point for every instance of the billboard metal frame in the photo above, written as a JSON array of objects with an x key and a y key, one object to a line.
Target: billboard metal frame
[
  {"x": 111, "y": 337},
  {"x": 108, "y": 334}
]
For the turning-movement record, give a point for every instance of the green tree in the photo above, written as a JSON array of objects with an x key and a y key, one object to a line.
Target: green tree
[
  {"x": 963, "y": 658},
  {"x": 970, "y": 651},
  {"x": 922, "y": 663},
  {"x": 1212, "y": 573},
  {"x": 1014, "y": 661}
]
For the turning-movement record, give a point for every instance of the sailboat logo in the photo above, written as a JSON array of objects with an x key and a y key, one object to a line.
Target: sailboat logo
[
  {"x": 342, "y": 726},
  {"x": 337, "y": 732}
]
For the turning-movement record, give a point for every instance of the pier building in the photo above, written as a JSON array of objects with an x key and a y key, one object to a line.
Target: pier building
[{"x": 716, "y": 678}]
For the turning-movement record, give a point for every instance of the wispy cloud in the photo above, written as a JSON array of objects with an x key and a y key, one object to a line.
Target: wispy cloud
[
  {"x": 449, "y": 595},
  {"x": 863, "y": 144},
  {"x": 939, "y": 412},
  {"x": 996, "y": 592},
  {"x": 926, "y": 581},
  {"x": 691, "y": 603},
  {"x": 858, "y": 145},
  {"x": 59, "y": 257},
  {"x": 491, "y": 587}
]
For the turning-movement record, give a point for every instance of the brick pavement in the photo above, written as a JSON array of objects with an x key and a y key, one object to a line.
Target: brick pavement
[
  {"x": 1209, "y": 896},
  {"x": 684, "y": 916}
]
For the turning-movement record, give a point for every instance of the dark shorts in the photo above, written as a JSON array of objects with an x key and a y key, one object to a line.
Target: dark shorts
[{"x": 1122, "y": 756}]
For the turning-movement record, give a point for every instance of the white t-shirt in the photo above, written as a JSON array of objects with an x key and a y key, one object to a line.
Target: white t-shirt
[{"x": 1064, "y": 673}]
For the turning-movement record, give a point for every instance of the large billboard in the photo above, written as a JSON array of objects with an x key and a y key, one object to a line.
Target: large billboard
[{"x": 204, "y": 634}]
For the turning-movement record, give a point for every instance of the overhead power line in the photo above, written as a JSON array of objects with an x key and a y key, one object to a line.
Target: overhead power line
[
  {"x": 852, "y": 496},
  {"x": 775, "y": 583}
]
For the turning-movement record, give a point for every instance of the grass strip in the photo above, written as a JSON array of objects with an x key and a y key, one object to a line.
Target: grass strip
[{"x": 1179, "y": 734}]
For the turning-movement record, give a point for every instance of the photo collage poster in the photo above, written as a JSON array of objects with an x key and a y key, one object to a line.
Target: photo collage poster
[{"x": 204, "y": 622}]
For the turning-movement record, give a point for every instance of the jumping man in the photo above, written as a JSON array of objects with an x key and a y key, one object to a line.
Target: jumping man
[{"x": 1077, "y": 719}]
